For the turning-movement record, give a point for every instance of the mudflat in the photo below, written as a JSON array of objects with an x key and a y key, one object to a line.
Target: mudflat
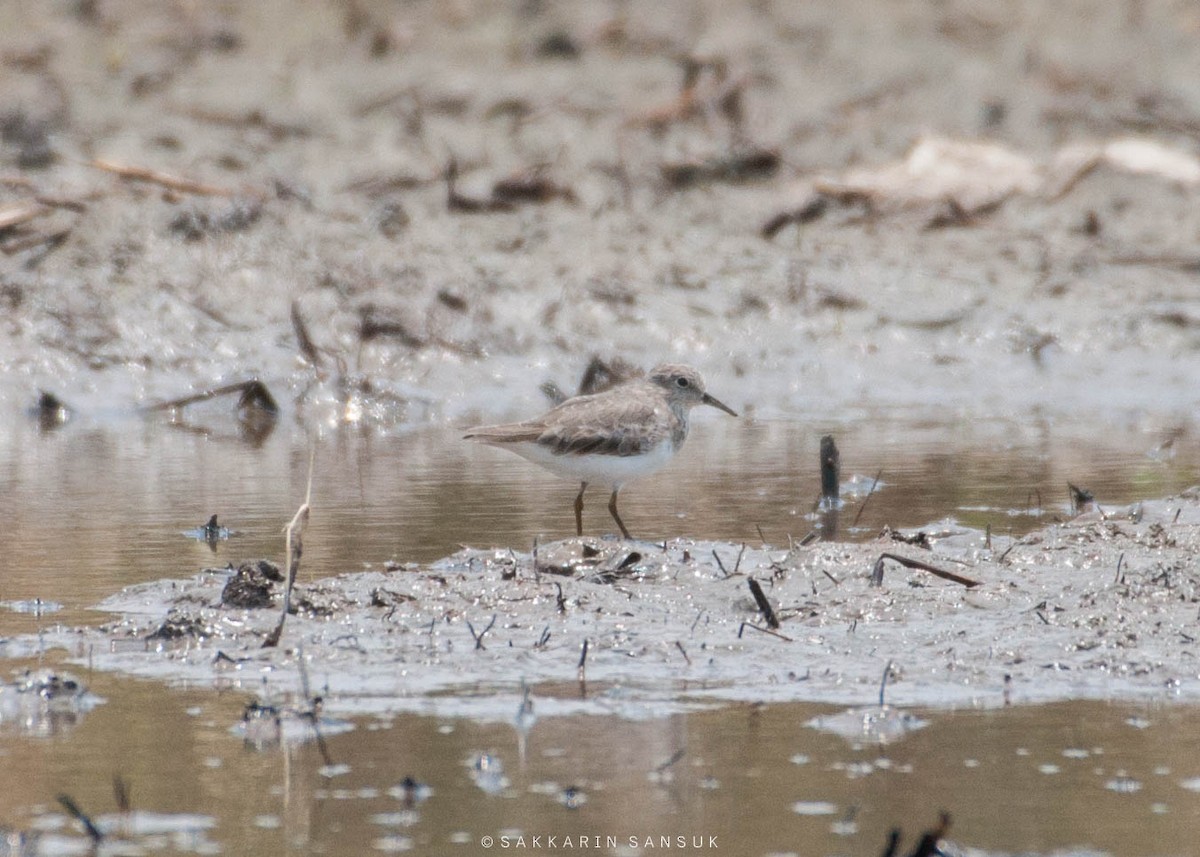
[{"x": 902, "y": 207}]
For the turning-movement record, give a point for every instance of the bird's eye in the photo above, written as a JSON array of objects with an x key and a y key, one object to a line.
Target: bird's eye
[{"x": 682, "y": 382}]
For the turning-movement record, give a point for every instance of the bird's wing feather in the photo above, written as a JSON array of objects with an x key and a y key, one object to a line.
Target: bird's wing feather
[
  {"x": 625, "y": 426},
  {"x": 507, "y": 433}
]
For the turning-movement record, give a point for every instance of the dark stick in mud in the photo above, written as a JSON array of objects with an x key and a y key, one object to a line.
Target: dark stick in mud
[
  {"x": 752, "y": 626},
  {"x": 738, "y": 562},
  {"x": 82, "y": 817},
  {"x": 479, "y": 637},
  {"x": 720, "y": 564},
  {"x": 887, "y": 671},
  {"x": 828, "y": 503},
  {"x": 1081, "y": 498},
  {"x": 251, "y": 394},
  {"x": 764, "y": 606},
  {"x": 908, "y": 562},
  {"x": 583, "y": 661},
  {"x": 831, "y": 469}
]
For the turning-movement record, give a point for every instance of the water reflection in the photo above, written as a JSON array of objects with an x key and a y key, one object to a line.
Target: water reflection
[{"x": 760, "y": 779}]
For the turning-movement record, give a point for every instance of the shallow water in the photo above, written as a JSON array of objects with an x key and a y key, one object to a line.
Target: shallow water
[
  {"x": 94, "y": 506},
  {"x": 760, "y": 779},
  {"x": 98, "y": 505}
]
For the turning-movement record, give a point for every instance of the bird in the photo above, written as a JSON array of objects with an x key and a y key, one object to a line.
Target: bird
[{"x": 612, "y": 437}]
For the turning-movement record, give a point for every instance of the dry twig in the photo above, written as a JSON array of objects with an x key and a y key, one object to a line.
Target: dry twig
[
  {"x": 171, "y": 182},
  {"x": 908, "y": 562},
  {"x": 294, "y": 548}
]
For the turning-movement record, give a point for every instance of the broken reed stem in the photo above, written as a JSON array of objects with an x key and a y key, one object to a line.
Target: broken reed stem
[
  {"x": 583, "y": 661},
  {"x": 252, "y": 392},
  {"x": 294, "y": 548},
  {"x": 82, "y": 817},
  {"x": 764, "y": 606},
  {"x": 867, "y": 499},
  {"x": 746, "y": 625},
  {"x": 831, "y": 469},
  {"x": 887, "y": 671},
  {"x": 479, "y": 637},
  {"x": 145, "y": 174},
  {"x": 908, "y": 562}
]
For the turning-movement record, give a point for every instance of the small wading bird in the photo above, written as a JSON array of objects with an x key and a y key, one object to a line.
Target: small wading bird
[{"x": 612, "y": 437}]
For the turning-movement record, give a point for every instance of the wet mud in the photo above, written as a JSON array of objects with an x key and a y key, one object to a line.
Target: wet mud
[
  {"x": 397, "y": 216},
  {"x": 1100, "y": 607}
]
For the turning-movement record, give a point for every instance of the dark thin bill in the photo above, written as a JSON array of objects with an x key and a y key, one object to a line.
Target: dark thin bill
[{"x": 709, "y": 400}]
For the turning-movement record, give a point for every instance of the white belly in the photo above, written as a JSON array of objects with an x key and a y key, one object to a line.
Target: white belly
[{"x": 613, "y": 470}]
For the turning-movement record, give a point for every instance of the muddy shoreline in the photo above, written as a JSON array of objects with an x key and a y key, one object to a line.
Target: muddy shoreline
[
  {"x": 1100, "y": 607},
  {"x": 177, "y": 190}
]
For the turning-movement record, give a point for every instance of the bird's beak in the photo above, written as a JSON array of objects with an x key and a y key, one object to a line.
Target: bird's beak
[{"x": 716, "y": 403}]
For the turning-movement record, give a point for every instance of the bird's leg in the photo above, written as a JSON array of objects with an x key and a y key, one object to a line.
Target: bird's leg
[
  {"x": 579, "y": 510},
  {"x": 612, "y": 507}
]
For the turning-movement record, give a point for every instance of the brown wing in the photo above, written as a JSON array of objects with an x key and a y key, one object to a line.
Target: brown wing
[{"x": 605, "y": 425}]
